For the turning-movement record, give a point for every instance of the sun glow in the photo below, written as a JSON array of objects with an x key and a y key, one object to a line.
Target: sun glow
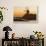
[{"x": 19, "y": 12}]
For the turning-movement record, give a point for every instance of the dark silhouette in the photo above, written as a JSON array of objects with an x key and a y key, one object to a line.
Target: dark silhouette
[{"x": 29, "y": 16}]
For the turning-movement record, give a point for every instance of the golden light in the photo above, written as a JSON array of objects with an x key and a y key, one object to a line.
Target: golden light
[{"x": 19, "y": 12}]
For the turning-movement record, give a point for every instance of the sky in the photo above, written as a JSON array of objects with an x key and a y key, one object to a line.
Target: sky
[{"x": 20, "y": 11}]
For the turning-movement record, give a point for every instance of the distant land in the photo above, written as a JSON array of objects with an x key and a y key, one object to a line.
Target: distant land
[{"x": 25, "y": 17}]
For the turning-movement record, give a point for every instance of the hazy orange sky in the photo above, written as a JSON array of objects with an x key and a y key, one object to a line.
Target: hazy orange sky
[{"x": 19, "y": 12}]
